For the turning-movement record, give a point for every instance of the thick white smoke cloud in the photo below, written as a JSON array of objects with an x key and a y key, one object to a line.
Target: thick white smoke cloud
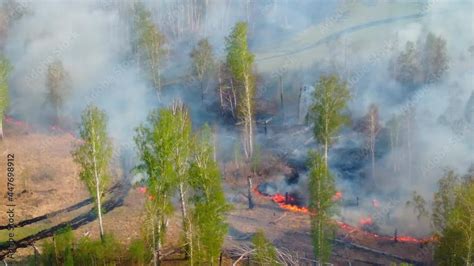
[{"x": 95, "y": 52}]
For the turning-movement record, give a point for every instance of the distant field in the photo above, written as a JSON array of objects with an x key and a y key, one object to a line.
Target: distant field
[{"x": 363, "y": 22}]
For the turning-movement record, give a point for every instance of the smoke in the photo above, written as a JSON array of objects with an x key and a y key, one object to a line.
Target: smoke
[
  {"x": 438, "y": 135},
  {"x": 93, "y": 39}
]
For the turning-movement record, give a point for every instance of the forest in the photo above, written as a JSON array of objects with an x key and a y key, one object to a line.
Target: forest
[{"x": 222, "y": 132}]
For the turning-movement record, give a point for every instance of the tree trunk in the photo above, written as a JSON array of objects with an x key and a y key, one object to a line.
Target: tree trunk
[
  {"x": 1, "y": 128},
  {"x": 154, "y": 242},
  {"x": 250, "y": 188},
  {"x": 97, "y": 185},
  {"x": 186, "y": 229},
  {"x": 249, "y": 119},
  {"x": 409, "y": 145},
  {"x": 373, "y": 128},
  {"x": 299, "y": 104},
  {"x": 221, "y": 100},
  {"x": 202, "y": 91},
  {"x": 281, "y": 96},
  {"x": 326, "y": 154}
]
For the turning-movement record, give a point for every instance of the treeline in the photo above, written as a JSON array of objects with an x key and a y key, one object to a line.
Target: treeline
[{"x": 451, "y": 215}]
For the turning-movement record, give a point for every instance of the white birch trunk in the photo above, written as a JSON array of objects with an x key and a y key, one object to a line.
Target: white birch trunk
[{"x": 97, "y": 184}]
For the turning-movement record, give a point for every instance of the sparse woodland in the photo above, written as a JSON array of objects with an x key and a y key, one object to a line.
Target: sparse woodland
[{"x": 183, "y": 173}]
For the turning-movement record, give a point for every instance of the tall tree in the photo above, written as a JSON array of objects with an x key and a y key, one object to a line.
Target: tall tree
[
  {"x": 407, "y": 69},
  {"x": 150, "y": 44},
  {"x": 240, "y": 62},
  {"x": 444, "y": 199},
  {"x": 330, "y": 99},
  {"x": 153, "y": 145},
  {"x": 58, "y": 84},
  {"x": 210, "y": 206},
  {"x": 94, "y": 156},
  {"x": 181, "y": 152},
  {"x": 435, "y": 58},
  {"x": 421, "y": 63},
  {"x": 203, "y": 63},
  {"x": 456, "y": 239},
  {"x": 322, "y": 190},
  {"x": 394, "y": 126},
  {"x": 164, "y": 146},
  {"x": 5, "y": 69},
  {"x": 370, "y": 127}
]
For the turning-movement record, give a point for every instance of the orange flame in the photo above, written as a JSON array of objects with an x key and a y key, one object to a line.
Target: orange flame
[{"x": 280, "y": 200}]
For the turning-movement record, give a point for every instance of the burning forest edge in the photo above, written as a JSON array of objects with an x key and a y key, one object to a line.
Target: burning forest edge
[{"x": 351, "y": 120}]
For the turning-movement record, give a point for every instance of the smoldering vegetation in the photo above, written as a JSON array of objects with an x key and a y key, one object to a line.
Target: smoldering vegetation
[{"x": 424, "y": 98}]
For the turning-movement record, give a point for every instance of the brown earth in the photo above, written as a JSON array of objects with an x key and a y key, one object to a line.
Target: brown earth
[{"x": 47, "y": 180}]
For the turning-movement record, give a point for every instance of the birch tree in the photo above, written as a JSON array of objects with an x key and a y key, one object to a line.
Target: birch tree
[
  {"x": 94, "y": 155},
  {"x": 150, "y": 45},
  {"x": 456, "y": 242},
  {"x": 5, "y": 69},
  {"x": 182, "y": 149},
  {"x": 203, "y": 64},
  {"x": 330, "y": 99},
  {"x": 164, "y": 146},
  {"x": 240, "y": 61},
  {"x": 210, "y": 206},
  {"x": 153, "y": 145},
  {"x": 321, "y": 205},
  {"x": 58, "y": 84},
  {"x": 371, "y": 128},
  {"x": 394, "y": 126}
]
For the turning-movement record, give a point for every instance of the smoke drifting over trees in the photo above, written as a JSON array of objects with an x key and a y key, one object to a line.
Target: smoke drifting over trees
[{"x": 247, "y": 68}]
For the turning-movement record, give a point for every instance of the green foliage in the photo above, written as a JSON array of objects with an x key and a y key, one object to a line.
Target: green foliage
[
  {"x": 265, "y": 252},
  {"x": 444, "y": 199},
  {"x": 203, "y": 61},
  {"x": 95, "y": 151},
  {"x": 239, "y": 58},
  {"x": 59, "y": 250},
  {"x": 210, "y": 205},
  {"x": 456, "y": 243},
  {"x": 322, "y": 206},
  {"x": 64, "y": 250},
  {"x": 422, "y": 63},
  {"x": 330, "y": 99},
  {"x": 164, "y": 146},
  {"x": 139, "y": 253},
  {"x": 240, "y": 62},
  {"x": 150, "y": 44},
  {"x": 5, "y": 69}
]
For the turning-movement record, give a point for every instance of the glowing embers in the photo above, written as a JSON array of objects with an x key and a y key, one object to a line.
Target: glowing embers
[{"x": 288, "y": 202}]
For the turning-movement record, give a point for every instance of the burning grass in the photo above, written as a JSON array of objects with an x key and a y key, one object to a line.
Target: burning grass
[{"x": 290, "y": 203}]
